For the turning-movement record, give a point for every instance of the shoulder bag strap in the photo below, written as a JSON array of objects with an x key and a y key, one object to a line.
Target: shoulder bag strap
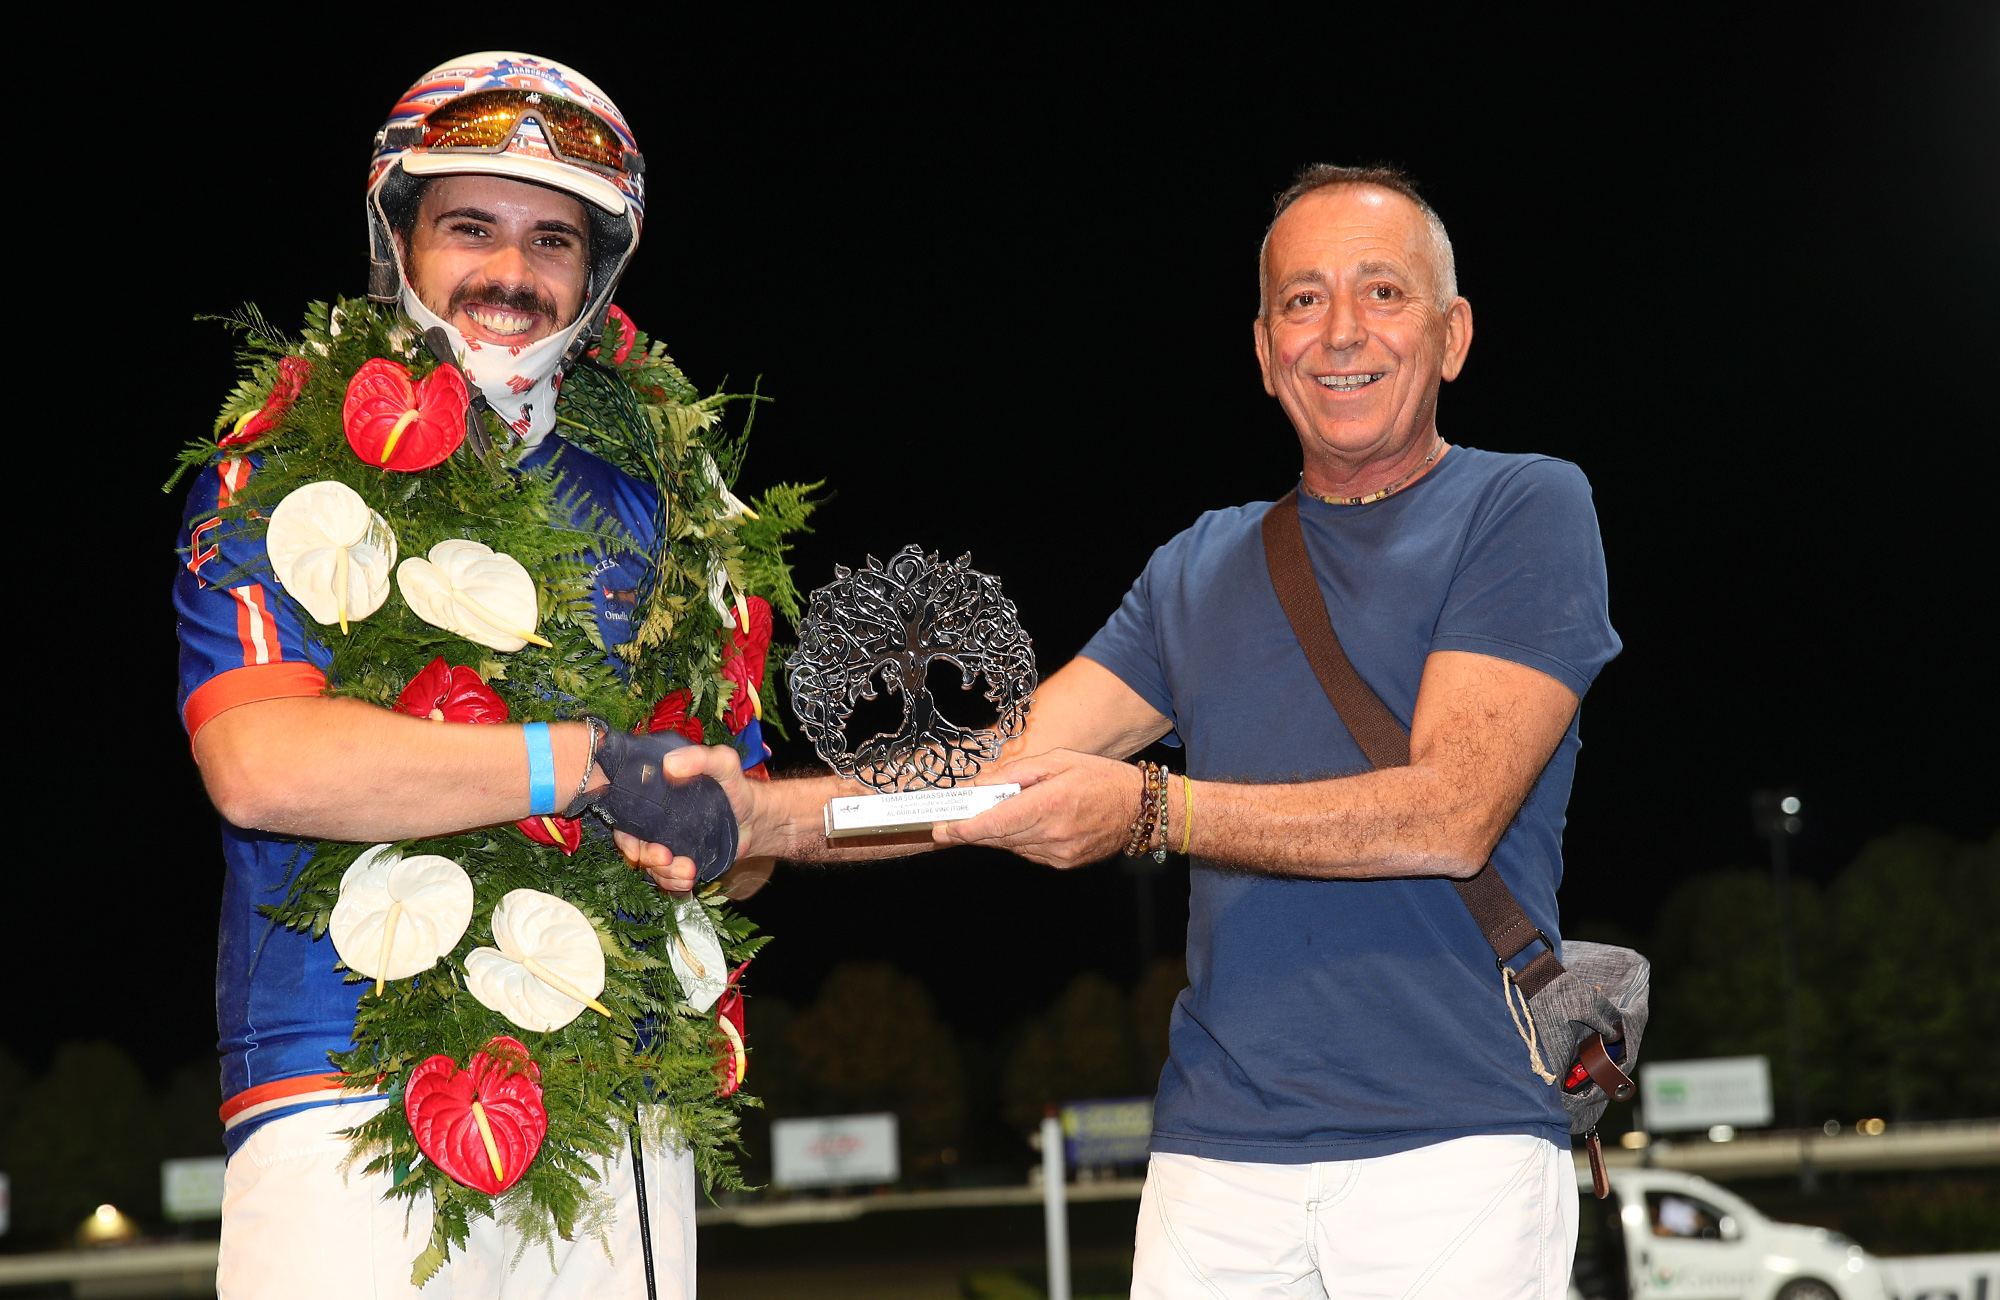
[{"x": 1382, "y": 738}]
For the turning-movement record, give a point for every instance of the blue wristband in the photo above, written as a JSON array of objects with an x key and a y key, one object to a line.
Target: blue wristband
[{"x": 541, "y": 769}]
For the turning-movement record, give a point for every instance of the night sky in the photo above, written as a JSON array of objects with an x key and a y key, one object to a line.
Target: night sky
[{"x": 1000, "y": 285}]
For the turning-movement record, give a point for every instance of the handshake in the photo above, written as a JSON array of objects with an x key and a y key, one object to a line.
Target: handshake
[
  {"x": 849, "y": 646},
  {"x": 692, "y": 814}
]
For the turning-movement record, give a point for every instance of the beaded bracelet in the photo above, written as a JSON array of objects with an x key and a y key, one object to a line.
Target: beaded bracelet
[
  {"x": 1139, "y": 823},
  {"x": 1148, "y": 833},
  {"x": 1140, "y": 837}
]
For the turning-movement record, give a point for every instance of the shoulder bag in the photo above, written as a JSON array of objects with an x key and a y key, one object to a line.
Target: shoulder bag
[{"x": 1587, "y": 1014}]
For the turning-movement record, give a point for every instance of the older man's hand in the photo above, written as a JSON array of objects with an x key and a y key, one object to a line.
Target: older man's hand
[{"x": 1073, "y": 809}]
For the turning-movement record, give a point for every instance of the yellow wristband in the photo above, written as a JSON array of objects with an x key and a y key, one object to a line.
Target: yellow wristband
[{"x": 1187, "y": 826}]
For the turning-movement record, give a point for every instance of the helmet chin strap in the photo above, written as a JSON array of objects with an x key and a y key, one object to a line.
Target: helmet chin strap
[{"x": 438, "y": 339}]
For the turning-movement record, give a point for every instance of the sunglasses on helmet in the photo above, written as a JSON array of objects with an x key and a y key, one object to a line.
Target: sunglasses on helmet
[{"x": 485, "y": 120}]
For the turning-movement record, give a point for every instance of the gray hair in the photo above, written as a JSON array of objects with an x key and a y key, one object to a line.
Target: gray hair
[{"x": 1326, "y": 176}]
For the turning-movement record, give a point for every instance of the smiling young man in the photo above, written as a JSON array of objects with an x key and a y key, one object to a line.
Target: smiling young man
[
  {"x": 503, "y": 261},
  {"x": 514, "y": 245},
  {"x": 1348, "y": 1109}
]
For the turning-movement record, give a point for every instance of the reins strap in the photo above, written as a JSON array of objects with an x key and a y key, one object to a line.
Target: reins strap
[
  {"x": 1381, "y": 738},
  {"x": 439, "y": 343}
]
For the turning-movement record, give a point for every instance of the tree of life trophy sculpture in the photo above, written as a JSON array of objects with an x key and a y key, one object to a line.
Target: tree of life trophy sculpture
[{"x": 878, "y": 628}]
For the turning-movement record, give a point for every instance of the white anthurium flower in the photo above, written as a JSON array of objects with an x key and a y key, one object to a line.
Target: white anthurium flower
[
  {"x": 732, "y": 505},
  {"x": 397, "y": 916},
  {"x": 331, "y": 552},
  {"x": 696, "y": 956},
  {"x": 335, "y": 319},
  {"x": 718, "y": 589},
  {"x": 482, "y": 594},
  {"x": 547, "y": 968},
  {"x": 719, "y": 586}
]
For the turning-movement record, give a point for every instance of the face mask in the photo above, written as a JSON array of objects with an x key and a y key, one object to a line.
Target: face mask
[{"x": 520, "y": 382}]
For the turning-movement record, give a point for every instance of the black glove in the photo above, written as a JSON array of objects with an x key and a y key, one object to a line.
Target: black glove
[{"x": 692, "y": 817}]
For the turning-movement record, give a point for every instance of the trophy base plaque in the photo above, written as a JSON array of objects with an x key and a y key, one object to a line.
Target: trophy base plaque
[{"x": 911, "y": 810}]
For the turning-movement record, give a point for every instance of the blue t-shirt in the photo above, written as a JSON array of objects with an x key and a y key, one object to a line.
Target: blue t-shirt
[
  {"x": 1341, "y": 1019},
  {"x": 281, "y": 1006}
]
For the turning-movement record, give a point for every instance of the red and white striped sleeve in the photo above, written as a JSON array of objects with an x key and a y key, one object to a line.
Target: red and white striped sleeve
[{"x": 241, "y": 639}]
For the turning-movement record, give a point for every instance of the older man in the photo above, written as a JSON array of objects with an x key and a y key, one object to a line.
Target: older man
[{"x": 1348, "y": 1109}]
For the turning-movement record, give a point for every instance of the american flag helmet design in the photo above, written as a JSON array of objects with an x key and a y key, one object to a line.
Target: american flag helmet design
[{"x": 527, "y": 156}]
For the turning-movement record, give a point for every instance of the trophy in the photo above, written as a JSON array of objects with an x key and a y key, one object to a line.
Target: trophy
[{"x": 878, "y": 629}]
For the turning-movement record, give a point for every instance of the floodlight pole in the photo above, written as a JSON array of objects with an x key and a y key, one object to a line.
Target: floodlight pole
[
  {"x": 1055, "y": 1211},
  {"x": 1775, "y": 813}
]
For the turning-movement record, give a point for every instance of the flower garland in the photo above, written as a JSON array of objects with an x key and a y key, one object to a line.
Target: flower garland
[{"x": 532, "y": 1000}]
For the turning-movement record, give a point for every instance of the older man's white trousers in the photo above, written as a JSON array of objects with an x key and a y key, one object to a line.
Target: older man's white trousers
[
  {"x": 296, "y": 1226},
  {"x": 1475, "y": 1218}
]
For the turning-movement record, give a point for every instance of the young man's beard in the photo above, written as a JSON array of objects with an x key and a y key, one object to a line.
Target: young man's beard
[{"x": 519, "y": 298}]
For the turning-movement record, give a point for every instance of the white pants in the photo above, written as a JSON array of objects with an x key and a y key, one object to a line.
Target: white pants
[
  {"x": 1475, "y": 1218},
  {"x": 293, "y": 1227}
]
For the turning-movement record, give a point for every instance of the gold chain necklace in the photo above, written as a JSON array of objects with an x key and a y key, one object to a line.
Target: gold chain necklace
[{"x": 1437, "y": 450}]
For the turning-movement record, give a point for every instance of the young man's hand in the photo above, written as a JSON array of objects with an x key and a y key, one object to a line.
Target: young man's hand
[{"x": 673, "y": 870}]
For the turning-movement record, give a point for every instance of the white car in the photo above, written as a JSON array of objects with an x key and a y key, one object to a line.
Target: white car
[{"x": 1662, "y": 1235}]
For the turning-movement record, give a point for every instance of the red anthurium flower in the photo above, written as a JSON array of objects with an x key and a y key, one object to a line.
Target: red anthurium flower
[
  {"x": 627, "y": 335},
  {"x": 671, "y": 714},
  {"x": 564, "y": 833},
  {"x": 627, "y": 332},
  {"x": 735, "y": 1062},
  {"x": 483, "y": 1124},
  {"x": 394, "y": 424},
  {"x": 743, "y": 663},
  {"x": 292, "y": 375},
  {"x": 446, "y": 693}
]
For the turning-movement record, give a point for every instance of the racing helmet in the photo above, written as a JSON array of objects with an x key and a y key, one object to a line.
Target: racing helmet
[{"x": 501, "y": 113}]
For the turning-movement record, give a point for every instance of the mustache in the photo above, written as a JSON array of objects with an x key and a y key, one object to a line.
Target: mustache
[{"x": 507, "y": 297}]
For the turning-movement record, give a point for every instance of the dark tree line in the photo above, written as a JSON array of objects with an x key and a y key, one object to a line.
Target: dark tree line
[
  {"x": 1901, "y": 999},
  {"x": 90, "y": 1130},
  {"x": 1899, "y": 979},
  {"x": 871, "y": 1041}
]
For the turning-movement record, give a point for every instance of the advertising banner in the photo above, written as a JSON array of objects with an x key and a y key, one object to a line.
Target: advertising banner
[
  {"x": 1108, "y": 1131},
  {"x": 1680, "y": 1096},
  {"x": 835, "y": 1151}
]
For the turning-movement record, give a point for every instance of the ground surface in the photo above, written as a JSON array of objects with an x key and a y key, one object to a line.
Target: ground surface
[
  {"x": 985, "y": 1254},
  {"x": 937, "y": 1278}
]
